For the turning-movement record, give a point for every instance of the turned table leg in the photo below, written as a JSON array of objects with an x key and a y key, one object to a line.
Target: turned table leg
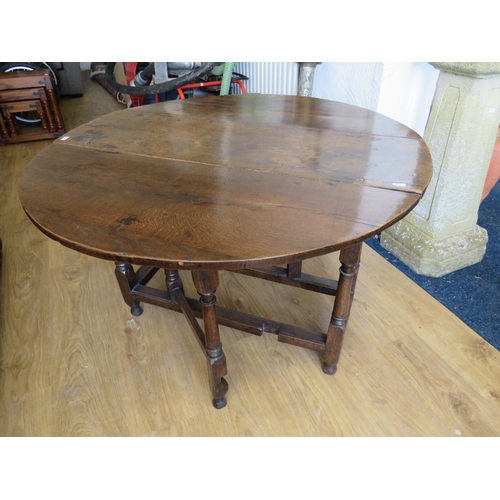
[
  {"x": 55, "y": 107},
  {"x": 349, "y": 259},
  {"x": 127, "y": 280},
  {"x": 48, "y": 113},
  {"x": 173, "y": 282},
  {"x": 206, "y": 283}
]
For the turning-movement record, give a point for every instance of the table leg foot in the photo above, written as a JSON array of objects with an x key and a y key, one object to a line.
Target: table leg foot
[
  {"x": 220, "y": 401},
  {"x": 329, "y": 369},
  {"x": 136, "y": 310},
  {"x": 216, "y": 370}
]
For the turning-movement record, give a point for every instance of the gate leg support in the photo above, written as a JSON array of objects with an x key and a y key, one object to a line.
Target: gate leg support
[
  {"x": 127, "y": 280},
  {"x": 206, "y": 283},
  {"x": 349, "y": 259}
]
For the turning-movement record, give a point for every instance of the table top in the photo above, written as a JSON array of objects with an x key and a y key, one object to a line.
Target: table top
[{"x": 226, "y": 182}]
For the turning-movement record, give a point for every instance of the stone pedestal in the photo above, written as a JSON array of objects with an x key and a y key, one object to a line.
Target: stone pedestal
[{"x": 441, "y": 235}]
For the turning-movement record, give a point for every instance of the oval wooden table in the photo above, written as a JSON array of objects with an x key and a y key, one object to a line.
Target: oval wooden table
[{"x": 253, "y": 184}]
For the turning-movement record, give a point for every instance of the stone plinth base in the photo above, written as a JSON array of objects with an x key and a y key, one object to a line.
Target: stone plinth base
[{"x": 434, "y": 257}]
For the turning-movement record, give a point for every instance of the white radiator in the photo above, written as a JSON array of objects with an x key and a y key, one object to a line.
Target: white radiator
[{"x": 269, "y": 77}]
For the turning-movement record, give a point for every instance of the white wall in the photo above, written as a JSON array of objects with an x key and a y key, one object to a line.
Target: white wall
[
  {"x": 406, "y": 93},
  {"x": 352, "y": 83},
  {"x": 401, "y": 91}
]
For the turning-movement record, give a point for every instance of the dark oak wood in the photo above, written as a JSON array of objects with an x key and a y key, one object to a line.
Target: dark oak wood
[
  {"x": 240, "y": 183},
  {"x": 206, "y": 283},
  {"x": 299, "y": 279},
  {"x": 349, "y": 257},
  {"x": 127, "y": 280},
  {"x": 296, "y": 191},
  {"x": 294, "y": 270}
]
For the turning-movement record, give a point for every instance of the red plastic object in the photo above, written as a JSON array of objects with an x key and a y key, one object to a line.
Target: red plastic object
[
  {"x": 130, "y": 72},
  {"x": 494, "y": 169}
]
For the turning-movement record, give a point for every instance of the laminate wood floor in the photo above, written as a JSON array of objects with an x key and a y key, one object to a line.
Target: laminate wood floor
[{"x": 75, "y": 362}]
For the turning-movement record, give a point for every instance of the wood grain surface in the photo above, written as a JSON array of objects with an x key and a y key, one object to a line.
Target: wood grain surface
[{"x": 225, "y": 183}]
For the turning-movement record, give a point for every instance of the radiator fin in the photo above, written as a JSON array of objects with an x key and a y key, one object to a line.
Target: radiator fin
[{"x": 269, "y": 77}]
